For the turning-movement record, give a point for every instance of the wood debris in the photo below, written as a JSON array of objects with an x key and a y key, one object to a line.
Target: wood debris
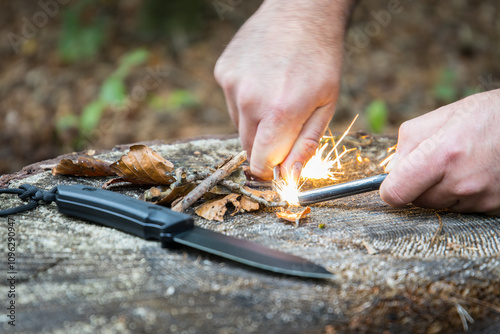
[
  {"x": 84, "y": 166},
  {"x": 210, "y": 182},
  {"x": 294, "y": 217},
  {"x": 179, "y": 189}
]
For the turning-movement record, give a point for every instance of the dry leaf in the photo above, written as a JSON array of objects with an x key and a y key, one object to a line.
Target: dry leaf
[
  {"x": 215, "y": 209},
  {"x": 248, "y": 205},
  {"x": 268, "y": 195},
  {"x": 293, "y": 217},
  {"x": 167, "y": 197},
  {"x": 152, "y": 194},
  {"x": 142, "y": 165},
  {"x": 85, "y": 166}
]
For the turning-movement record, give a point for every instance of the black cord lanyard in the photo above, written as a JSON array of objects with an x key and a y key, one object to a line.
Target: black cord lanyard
[{"x": 28, "y": 191}]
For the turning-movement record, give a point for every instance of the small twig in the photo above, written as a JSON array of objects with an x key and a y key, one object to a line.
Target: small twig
[
  {"x": 259, "y": 184},
  {"x": 210, "y": 182},
  {"x": 237, "y": 188},
  {"x": 438, "y": 232},
  {"x": 369, "y": 247},
  {"x": 180, "y": 178},
  {"x": 464, "y": 316},
  {"x": 197, "y": 176}
]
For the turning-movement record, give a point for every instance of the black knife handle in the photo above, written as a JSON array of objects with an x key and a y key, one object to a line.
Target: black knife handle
[{"x": 124, "y": 213}]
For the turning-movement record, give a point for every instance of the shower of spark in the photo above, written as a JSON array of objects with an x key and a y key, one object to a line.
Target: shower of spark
[
  {"x": 288, "y": 192},
  {"x": 389, "y": 158},
  {"x": 322, "y": 167}
]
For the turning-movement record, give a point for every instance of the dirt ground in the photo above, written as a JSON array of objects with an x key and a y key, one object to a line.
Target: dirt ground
[{"x": 426, "y": 55}]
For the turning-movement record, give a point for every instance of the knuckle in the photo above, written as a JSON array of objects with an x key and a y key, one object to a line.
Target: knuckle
[
  {"x": 405, "y": 130},
  {"x": 223, "y": 76},
  {"x": 246, "y": 98},
  {"x": 258, "y": 170},
  {"x": 467, "y": 188},
  {"x": 309, "y": 146},
  {"x": 278, "y": 112},
  {"x": 451, "y": 152}
]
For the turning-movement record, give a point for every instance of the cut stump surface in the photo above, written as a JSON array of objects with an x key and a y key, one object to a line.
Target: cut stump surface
[{"x": 395, "y": 269}]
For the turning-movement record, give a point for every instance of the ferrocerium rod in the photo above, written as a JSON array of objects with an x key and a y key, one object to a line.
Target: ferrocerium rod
[{"x": 341, "y": 190}]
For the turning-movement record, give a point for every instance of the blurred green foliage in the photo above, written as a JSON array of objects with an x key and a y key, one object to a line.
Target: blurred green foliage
[
  {"x": 87, "y": 24},
  {"x": 81, "y": 37},
  {"x": 175, "y": 101},
  {"x": 112, "y": 93},
  {"x": 160, "y": 18},
  {"x": 377, "y": 115},
  {"x": 445, "y": 88}
]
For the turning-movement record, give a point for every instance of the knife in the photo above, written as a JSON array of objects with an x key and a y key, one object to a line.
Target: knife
[{"x": 154, "y": 222}]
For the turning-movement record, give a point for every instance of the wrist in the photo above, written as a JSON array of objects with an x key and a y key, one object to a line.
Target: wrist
[{"x": 328, "y": 13}]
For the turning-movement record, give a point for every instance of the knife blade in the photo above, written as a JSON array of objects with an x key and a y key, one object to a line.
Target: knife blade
[{"x": 154, "y": 222}]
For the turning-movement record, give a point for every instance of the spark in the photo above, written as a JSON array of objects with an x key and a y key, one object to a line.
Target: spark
[
  {"x": 386, "y": 160},
  {"x": 389, "y": 158},
  {"x": 288, "y": 192},
  {"x": 319, "y": 167}
]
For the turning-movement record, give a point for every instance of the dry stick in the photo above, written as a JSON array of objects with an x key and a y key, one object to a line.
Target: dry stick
[
  {"x": 259, "y": 184},
  {"x": 438, "y": 232},
  {"x": 210, "y": 182},
  {"x": 180, "y": 176},
  {"x": 237, "y": 188}
]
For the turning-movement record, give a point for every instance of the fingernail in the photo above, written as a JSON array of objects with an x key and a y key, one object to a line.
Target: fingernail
[
  {"x": 392, "y": 163},
  {"x": 296, "y": 170},
  {"x": 277, "y": 173}
]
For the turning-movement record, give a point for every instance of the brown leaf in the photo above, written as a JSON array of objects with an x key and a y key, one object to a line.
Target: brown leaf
[
  {"x": 248, "y": 205},
  {"x": 293, "y": 217},
  {"x": 85, "y": 166},
  {"x": 268, "y": 195},
  {"x": 215, "y": 209},
  {"x": 142, "y": 165},
  {"x": 167, "y": 197}
]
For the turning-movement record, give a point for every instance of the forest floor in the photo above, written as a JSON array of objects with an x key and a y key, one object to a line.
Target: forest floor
[{"x": 422, "y": 56}]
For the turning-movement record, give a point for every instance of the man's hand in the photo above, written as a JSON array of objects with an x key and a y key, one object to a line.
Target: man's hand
[
  {"x": 280, "y": 75},
  {"x": 449, "y": 158}
]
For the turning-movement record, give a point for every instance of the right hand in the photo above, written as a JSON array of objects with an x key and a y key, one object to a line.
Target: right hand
[{"x": 280, "y": 76}]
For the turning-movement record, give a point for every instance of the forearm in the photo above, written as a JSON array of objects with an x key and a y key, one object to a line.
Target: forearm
[{"x": 280, "y": 75}]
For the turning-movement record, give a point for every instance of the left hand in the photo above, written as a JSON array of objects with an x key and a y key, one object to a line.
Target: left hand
[{"x": 449, "y": 158}]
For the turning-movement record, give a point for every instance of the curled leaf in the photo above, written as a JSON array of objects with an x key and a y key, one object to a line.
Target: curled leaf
[
  {"x": 294, "y": 217},
  {"x": 170, "y": 195},
  {"x": 215, "y": 209},
  {"x": 85, "y": 166},
  {"x": 142, "y": 165},
  {"x": 248, "y": 205}
]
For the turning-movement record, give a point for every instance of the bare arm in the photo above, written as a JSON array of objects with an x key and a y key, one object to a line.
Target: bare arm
[{"x": 280, "y": 76}]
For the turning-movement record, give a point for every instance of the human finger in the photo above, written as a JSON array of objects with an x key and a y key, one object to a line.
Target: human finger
[
  {"x": 306, "y": 143},
  {"x": 413, "y": 132},
  {"x": 415, "y": 173}
]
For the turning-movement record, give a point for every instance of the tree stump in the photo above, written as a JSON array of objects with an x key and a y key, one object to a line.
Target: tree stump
[{"x": 401, "y": 270}]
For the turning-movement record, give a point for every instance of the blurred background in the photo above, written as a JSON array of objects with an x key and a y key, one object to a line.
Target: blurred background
[{"x": 90, "y": 74}]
